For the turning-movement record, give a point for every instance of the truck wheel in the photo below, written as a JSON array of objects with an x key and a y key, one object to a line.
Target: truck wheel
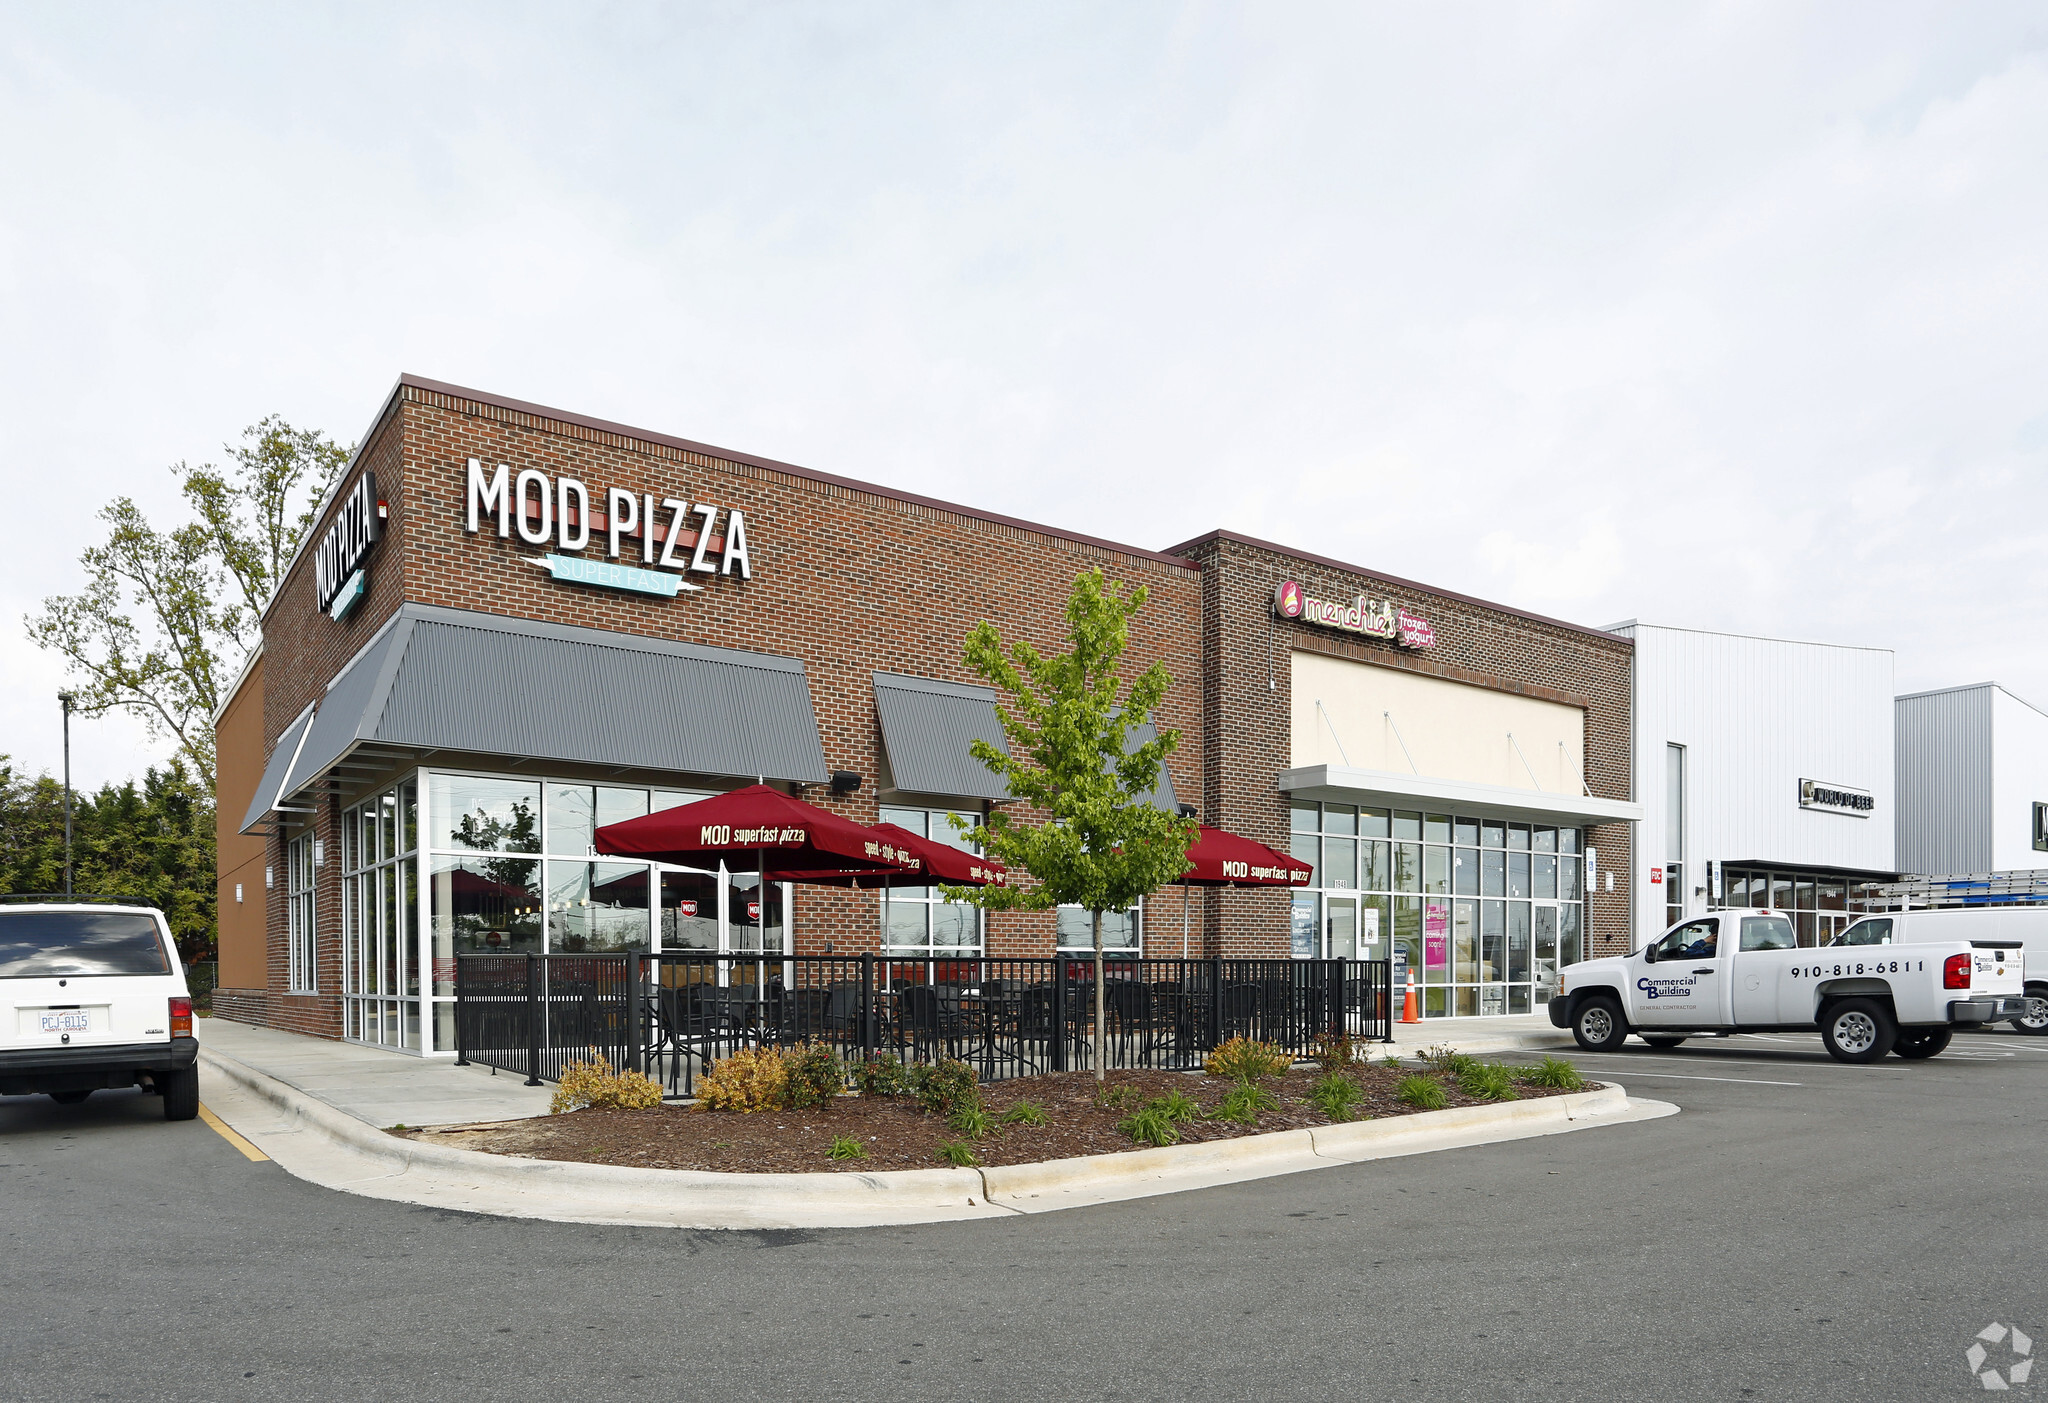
[
  {"x": 70, "y": 1098},
  {"x": 1597, "y": 1026},
  {"x": 181, "y": 1093},
  {"x": 1662, "y": 1042},
  {"x": 1916, "y": 1043},
  {"x": 2036, "y": 1019},
  {"x": 1858, "y": 1030}
]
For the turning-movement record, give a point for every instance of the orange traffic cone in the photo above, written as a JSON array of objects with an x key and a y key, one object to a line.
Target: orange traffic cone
[{"x": 1408, "y": 1013}]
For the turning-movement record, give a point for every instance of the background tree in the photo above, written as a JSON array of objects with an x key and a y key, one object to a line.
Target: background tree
[
  {"x": 1103, "y": 845},
  {"x": 153, "y": 841},
  {"x": 168, "y": 617}
]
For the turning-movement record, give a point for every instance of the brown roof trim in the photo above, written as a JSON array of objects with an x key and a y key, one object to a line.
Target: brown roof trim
[
  {"x": 1278, "y": 549},
  {"x": 585, "y": 421}
]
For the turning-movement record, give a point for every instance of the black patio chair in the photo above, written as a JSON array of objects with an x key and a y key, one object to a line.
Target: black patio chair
[{"x": 928, "y": 1021}]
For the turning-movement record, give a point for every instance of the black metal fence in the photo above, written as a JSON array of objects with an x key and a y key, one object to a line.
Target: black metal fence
[{"x": 673, "y": 1015}]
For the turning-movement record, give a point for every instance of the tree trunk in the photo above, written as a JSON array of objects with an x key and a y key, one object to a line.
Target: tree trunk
[{"x": 1100, "y": 1068}]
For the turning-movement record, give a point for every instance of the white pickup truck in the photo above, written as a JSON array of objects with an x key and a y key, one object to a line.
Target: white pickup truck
[{"x": 1744, "y": 971}]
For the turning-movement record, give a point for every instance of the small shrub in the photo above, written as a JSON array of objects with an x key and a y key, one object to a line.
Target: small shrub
[
  {"x": 1554, "y": 1072},
  {"x": 813, "y": 1076},
  {"x": 882, "y": 1076},
  {"x": 944, "y": 1087},
  {"x": 1334, "y": 1095},
  {"x": 1488, "y": 1081},
  {"x": 1421, "y": 1092},
  {"x": 958, "y": 1153},
  {"x": 846, "y": 1147},
  {"x": 1335, "y": 1052},
  {"x": 596, "y": 1085},
  {"x": 1117, "y": 1097},
  {"x": 753, "y": 1079},
  {"x": 1176, "y": 1107},
  {"x": 1150, "y": 1125},
  {"x": 1244, "y": 1103},
  {"x": 972, "y": 1121},
  {"x": 1244, "y": 1060},
  {"x": 1447, "y": 1059},
  {"x": 1025, "y": 1113},
  {"x": 1391, "y": 1062}
]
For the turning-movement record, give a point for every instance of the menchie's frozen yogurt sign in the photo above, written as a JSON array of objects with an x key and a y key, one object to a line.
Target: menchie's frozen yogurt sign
[{"x": 1375, "y": 618}]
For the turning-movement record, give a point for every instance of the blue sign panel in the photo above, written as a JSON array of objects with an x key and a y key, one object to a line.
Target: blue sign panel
[{"x": 609, "y": 576}]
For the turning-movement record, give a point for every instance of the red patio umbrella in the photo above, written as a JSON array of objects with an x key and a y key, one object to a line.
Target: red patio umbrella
[
  {"x": 1225, "y": 859},
  {"x": 926, "y": 863},
  {"x": 759, "y": 829},
  {"x": 934, "y": 863},
  {"x": 754, "y": 829}
]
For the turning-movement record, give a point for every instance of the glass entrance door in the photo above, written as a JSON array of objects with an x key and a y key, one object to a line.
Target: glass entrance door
[
  {"x": 1340, "y": 929},
  {"x": 1546, "y": 918}
]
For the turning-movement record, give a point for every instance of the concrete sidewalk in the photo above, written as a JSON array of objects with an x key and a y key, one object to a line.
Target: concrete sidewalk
[
  {"x": 379, "y": 1088},
  {"x": 1522, "y": 1032}
]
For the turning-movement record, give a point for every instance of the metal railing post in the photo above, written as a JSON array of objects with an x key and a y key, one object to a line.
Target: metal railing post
[
  {"x": 869, "y": 1034},
  {"x": 1059, "y": 1013},
  {"x": 461, "y": 1023},
  {"x": 532, "y": 1019},
  {"x": 1333, "y": 994}
]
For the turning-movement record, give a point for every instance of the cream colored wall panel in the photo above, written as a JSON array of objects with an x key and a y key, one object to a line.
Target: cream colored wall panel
[{"x": 1453, "y": 731}]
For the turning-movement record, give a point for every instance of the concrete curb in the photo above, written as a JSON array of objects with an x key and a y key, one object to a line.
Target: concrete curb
[{"x": 317, "y": 1142}]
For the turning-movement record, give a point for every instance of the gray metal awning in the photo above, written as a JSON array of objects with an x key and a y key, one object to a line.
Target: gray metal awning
[
  {"x": 1163, "y": 797},
  {"x": 272, "y": 784},
  {"x": 450, "y": 679},
  {"x": 929, "y": 729},
  {"x": 1344, "y": 784}
]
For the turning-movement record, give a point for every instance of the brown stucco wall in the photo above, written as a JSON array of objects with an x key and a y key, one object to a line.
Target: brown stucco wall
[{"x": 239, "y": 752}]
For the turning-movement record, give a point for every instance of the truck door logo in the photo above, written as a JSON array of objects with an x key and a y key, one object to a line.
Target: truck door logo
[{"x": 1666, "y": 988}]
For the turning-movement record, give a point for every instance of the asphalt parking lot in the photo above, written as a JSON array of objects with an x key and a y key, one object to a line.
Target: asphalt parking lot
[{"x": 1802, "y": 1230}]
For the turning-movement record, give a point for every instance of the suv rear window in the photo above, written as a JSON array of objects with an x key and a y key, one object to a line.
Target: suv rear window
[{"x": 42, "y": 944}]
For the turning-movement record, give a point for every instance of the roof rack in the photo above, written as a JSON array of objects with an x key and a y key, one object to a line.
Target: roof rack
[{"x": 57, "y": 898}]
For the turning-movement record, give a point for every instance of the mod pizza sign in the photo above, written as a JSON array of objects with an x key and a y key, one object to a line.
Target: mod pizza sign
[{"x": 1374, "y": 618}]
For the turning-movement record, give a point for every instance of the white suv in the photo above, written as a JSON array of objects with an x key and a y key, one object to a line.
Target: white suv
[{"x": 92, "y": 995}]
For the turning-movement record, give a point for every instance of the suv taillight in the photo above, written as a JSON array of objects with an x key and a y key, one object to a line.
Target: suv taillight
[
  {"x": 1955, "y": 972},
  {"x": 181, "y": 1018}
]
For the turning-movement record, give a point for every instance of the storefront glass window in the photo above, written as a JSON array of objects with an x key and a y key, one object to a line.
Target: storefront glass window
[
  {"x": 486, "y": 815},
  {"x": 556, "y": 895},
  {"x": 1119, "y": 930},
  {"x": 920, "y": 919},
  {"x": 1468, "y": 956}
]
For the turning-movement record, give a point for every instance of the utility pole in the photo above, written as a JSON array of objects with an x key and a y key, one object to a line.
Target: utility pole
[{"x": 68, "y": 701}]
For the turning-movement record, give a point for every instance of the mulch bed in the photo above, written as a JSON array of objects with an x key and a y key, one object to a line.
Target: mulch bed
[{"x": 898, "y": 1135}]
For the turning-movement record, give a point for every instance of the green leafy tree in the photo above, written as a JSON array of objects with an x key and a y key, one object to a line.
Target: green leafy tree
[
  {"x": 1103, "y": 844},
  {"x": 168, "y": 617},
  {"x": 154, "y": 840}
]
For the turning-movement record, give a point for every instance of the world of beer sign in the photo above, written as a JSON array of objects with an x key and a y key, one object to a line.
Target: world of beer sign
[
  {"x": 1375, "y": 618},
  {"x": 1835, "y": 798}
]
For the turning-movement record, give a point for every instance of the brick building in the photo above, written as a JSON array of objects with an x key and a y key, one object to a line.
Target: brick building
[{"x": 512, "y": 624}]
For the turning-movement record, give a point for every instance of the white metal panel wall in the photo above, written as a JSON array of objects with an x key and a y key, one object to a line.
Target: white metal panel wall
[
  {"x": 2019, "y": 780},
  {"x": 1944, "y": 780},
  {"x": 1757, "y": 715}
]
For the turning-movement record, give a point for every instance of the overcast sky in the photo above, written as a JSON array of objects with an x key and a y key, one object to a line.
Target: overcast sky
[{"x": 1732, "y": 317}]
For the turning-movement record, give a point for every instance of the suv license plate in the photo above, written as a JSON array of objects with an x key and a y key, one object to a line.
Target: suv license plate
[{"x": 67, "y": 1022}]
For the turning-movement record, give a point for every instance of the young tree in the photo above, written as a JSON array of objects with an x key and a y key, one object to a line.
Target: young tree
[
  {"x": 168, "y": 617},
  {"x": 1104, "y": 845}
]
